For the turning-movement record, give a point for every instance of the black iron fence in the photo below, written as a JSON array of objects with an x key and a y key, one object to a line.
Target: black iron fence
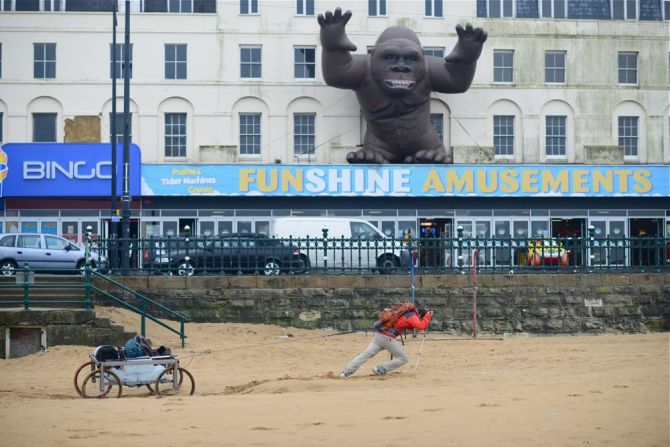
[{"x": 296, "y": 256}]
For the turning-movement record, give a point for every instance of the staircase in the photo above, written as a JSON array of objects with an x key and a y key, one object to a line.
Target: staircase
[{"x": 44, "y": 291}]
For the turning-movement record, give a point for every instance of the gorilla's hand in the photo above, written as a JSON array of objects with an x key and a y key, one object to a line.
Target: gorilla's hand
[
  {"x": 333, "y": 37},
  {"x": 469, "y": 46}
]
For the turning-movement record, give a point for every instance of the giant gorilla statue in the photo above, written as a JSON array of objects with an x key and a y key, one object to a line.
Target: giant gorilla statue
[{"x": 393, "y": 86}]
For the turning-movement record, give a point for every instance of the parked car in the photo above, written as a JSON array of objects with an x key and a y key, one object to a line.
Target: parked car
[
  {"x": 231, "y": 253},
  {"x": 43, "y": 252}
]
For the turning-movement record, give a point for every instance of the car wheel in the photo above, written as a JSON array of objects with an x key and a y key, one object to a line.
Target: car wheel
[
  {"x": 81, "y": 266},
  {"x": 8, "y": 267},
  {"x": 271, "y": 268},
  {"x": 387, "y": 264},
  {"x": 301, "y": 265},
  {"x": 185, "y": 268}
]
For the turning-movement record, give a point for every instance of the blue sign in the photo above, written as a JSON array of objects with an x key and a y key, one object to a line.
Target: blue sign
[
  {"x": 64, "y": 170},
  {"x": 404, "y": 180}
]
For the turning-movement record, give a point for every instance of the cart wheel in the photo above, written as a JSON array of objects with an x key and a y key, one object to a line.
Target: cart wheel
[
  {"x": 79, "y": 370},
  {"x": 164, "y": 383},
  {"x": 150, "y": 388},
  {"x": 91, "y": 387}
]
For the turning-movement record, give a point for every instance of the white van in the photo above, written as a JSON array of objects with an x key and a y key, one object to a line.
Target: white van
[{"x": 352, "y": 243}]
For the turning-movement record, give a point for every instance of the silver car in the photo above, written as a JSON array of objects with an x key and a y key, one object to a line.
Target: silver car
[{"x": 43, "y": 252}]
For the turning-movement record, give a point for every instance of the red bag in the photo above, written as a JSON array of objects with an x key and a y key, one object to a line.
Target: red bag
[{"x": 390, "y": 315}]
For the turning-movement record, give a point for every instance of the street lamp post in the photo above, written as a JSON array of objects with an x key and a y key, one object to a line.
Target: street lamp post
[
  {"x": 113, "y": 225},
  {"x": 125, "y": 199}
]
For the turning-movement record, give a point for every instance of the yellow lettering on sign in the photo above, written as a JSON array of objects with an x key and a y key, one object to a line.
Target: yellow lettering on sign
[
  {"x": 642, "y": 177},
  {"x": 294, "y": 179},
  {"x": 623, "y": 175},
  {"x": 549, "y": 183},
  {"x": 529, "y": 180},
  {"x": 483, "y": 185},
  {"x": 508, "y": 180},
  {"x": 580, "y": 180},
  {"x": 247, "y": 176},
  {"x": 266, "y": 184},
  {"x": 433, "y": 182},
  {"x": 456, "y": 183},
  {"x": 604, "y": 180}
]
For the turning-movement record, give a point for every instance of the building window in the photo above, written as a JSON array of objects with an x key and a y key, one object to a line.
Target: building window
[
  {"x": 1, "y": 121},
  {"x": 120, "y": 57},
  {"x": 554, "y": 67},
  {"x": 557, "y": 9},
  {"x": 248, "y": 7},
  {"x": 666, "y": 9},
  {"x": 503, "y": 135},
  {"x": 176, "y": 6},
  {"x": 250, "y": 133},
  {"x": 0, "y": 60},
  {"x": 433, "y": 8},
  {"x": 44, "y": 127},
  {"x": 437, "y": 120},
  {"x": 304, "y": 7},
  {"x": 305, "y": 62},
  {"x": 628, "y": 130},
  {"x": 118, "y": 124},
  {"x": 434, "y": 51},
  {"x": 303, "y": 133},
  {"x": 175, "y": 61},
  {"x": 175, "y": 135},
  {"x": 555, "y": 136},
  {"x": 250, "y": 62},
  {"x": 624, "y": 9},
  {"x": 499, "y": 8},
  {"x": 90, "y": 6},
  {"x": 627, "y": 68},
  {"x": 503, "y": 65},
  {"x": 376, "y": 8},
  {"x": 44, "y": 66}
]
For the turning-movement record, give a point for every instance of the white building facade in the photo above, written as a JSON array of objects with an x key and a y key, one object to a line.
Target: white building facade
[{"x": 238, "y": 82}]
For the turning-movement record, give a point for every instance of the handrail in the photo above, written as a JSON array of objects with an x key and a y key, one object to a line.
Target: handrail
[
  {"x": 141, "y": 311},
  {"x": 143, "y": 314}
]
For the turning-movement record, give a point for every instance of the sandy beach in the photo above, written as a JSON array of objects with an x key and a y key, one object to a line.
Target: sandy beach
[{"x": 262, "y": 385}]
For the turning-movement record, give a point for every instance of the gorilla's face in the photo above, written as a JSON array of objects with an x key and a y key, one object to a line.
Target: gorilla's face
[{"x": 397, "y": 66}]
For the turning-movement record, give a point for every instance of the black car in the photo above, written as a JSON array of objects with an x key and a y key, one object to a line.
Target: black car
[{"x": 231, "y": 253}]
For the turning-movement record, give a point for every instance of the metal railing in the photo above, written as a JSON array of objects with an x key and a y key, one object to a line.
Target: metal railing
[{"x": 247, "y": 255}]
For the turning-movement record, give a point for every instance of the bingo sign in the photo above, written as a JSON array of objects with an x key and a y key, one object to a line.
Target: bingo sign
[
  {"x": 64, "y": 170},
  {"x": 401, "y": 180}
]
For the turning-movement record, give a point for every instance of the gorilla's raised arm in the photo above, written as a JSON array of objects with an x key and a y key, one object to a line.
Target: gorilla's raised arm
[
  {"x": 454, "y": 74},
  {"x": 340, "y": 68}
]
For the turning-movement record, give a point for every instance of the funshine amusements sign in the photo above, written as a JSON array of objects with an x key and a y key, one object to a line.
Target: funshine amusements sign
[{"x": 404, "y": 180}]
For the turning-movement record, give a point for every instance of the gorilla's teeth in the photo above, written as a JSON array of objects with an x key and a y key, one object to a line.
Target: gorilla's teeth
[{"x": 399, "y": 83}]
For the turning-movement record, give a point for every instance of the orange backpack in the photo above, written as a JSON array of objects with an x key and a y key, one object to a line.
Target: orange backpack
[{"x": 390, "y": 315}]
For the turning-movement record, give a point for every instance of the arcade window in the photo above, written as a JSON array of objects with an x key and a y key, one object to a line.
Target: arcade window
[
  {"x": 250, "y": 62},
  {"x": 503, "y": 135},
  {"x": 248, "y": 7},
  {"x": 305, "y": 62},
  {"x": 499, "y": 8},
  {"x": 44, "y": 127},
  {"x": 120, "y": 57},
  {"x": 1, "y": 127},
  {"x": 118, "y": 125},
  {"x": 0, "y": 60},
  {"x": 557, "y": 9},
  {"x": 624, "y": 9},
  {"x": 250, "y": 133},
  {"x": 503, "y": 66},
  {"x": 555, "y": 136},
  {"x": 554, "y": 67},
  {"x": 175, "y": 61},
  {"x": 303, "y": 133},
  {"x": 437, "y": 120},
  {"x": 627, "y": 67},
  {"x": 175, "y": 135},
  {"x": 434, "y": 51},
  {"x": 44, "y": 66},
  {"x": 628, "y": 131},
  {"x": 304, "y": 7},
  {"x": 376, "y": 8},
  {"x": 433, "y": 8}
]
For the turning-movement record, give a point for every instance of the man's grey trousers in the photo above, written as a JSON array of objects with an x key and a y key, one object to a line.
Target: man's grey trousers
[{"x": 378, "y": 344}]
